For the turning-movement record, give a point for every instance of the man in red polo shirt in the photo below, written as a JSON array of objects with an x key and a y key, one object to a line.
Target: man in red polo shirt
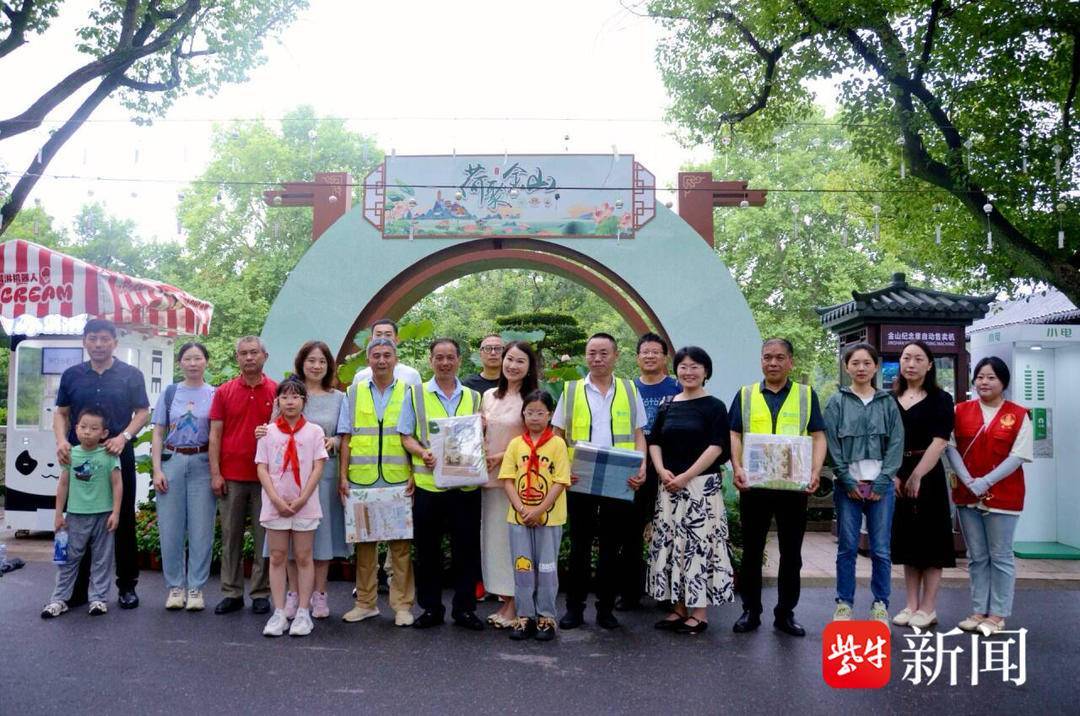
[{"x": 239, "y": 405}]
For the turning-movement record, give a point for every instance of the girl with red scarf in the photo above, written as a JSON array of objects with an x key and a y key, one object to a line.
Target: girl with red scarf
[
  {"x": 535, "y": 473},
  {"x": 289, "y": 459},
  {"x": 994, "y": 439}
]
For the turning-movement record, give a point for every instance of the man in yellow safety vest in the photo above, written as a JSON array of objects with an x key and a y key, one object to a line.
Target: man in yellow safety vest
[
  {"x": 608, "y": 412},
  {"x": 435, "y": 510},
  {"x": 372, "y": 456},
  {"x": 780, "y": 407}
]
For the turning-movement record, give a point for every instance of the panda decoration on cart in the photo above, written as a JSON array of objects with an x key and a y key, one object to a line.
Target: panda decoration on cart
[{"x": 46, "y": 297}]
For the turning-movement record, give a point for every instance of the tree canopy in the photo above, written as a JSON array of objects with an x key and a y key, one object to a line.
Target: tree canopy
[
  {"x": 976, "y": 99},
  {"x": 146, "y": 52}
]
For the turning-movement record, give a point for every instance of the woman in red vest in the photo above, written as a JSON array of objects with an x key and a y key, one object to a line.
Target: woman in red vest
[{"x": 993, "y": 439}]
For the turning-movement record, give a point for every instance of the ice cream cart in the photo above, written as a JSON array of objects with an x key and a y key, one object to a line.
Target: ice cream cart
[{"x": 46, "y": 297}]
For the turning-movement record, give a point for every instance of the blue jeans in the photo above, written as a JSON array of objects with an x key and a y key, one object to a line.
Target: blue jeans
[
  {"x": 989, "y": 538},
  {"x": 186, "y": 510},
  {"x": 849, "y": 514}
]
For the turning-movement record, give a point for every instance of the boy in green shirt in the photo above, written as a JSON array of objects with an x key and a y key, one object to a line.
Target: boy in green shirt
[{"x": 90, "y": 488}]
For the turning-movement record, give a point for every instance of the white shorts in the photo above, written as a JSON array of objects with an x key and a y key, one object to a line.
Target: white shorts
[{"x": 296, "y": 524}]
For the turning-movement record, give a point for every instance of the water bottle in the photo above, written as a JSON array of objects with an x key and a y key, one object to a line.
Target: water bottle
[{"x": 60, "y": 547}]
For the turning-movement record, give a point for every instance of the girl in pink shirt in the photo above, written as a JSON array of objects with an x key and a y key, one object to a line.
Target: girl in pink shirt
[{"x": 290, "y": 460}]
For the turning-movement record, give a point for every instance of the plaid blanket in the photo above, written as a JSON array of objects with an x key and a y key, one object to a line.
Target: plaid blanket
[{"x": 604, "y": 471}]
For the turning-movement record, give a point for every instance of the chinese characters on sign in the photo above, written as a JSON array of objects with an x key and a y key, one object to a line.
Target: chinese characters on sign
[
  {"x": 856, "y": 655},
  {"x": 894, "y": 338}
]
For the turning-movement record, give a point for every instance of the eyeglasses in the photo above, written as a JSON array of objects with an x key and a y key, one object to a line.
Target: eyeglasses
[{"x": 491, "y": 349}]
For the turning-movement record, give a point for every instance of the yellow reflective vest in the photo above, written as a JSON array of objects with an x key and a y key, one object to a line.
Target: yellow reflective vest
[
  {"x": 375, "y": 449},
  {"x": 578, "y": 415},
  {"x": 794, "y": 414},
  {"x": 429, "y": 408}
]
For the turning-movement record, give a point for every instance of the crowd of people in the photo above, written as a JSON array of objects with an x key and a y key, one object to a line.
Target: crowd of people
[{"x": 280, "y": 459}]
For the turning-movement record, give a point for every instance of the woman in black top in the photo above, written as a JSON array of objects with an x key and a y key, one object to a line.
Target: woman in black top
[
  {"x": 922, "y": 538},
  {"x": 688, "y": 554}
]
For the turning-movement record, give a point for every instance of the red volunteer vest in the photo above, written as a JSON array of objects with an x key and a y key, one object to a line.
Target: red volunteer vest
[{"x": 985, "y": 449}]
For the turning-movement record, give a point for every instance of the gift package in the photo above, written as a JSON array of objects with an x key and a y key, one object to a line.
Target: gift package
[
  {"x": 458, "y": 446},
  {"x": 378, "y": 514},
  {"x": 778, "y": 462},
  {"x": 604, "y": 471}
]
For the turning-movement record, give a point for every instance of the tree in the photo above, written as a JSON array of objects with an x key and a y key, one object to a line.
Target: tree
[
  {"x": 966, "y": 93},
  {"x": 147, "y": 52},
  {"x": 238, "y": 251}
]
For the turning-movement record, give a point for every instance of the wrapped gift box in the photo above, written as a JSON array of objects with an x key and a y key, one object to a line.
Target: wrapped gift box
[
  {"x": 378, "y": 514},
  {"x": 604, "y": 471},
  {"x": 458, "y": 445},
  {"x": 778, "y": 462}
]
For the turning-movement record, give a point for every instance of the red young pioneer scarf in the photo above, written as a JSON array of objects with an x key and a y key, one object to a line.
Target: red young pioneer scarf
[
  {"x": 292, "y": 458},
  {"x": 534, "y": 455}
]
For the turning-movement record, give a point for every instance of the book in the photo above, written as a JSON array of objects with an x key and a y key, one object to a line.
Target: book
[
  {"x": 378, "y": 514},
  {"x": 604, "y": 471},
  {"x": 458, "y": 446},
  {"x": 778, "y": 462}
]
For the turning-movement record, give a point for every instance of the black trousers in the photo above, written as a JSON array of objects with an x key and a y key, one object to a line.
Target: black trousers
[
  {"x": 757, "y": 508},
  {"x": 126, "y": 554},
  {"x": 434, "y": 514},
  {"x": 632, "y": 564},
  {"x": 604, "y": 518}
]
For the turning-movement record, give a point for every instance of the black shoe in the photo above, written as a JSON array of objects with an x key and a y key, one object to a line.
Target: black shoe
[
  {"x": 788, "y": 625},
  {"x": 524, "y": 628},
  {"x": 627, "y": 605},
  {"x": 685, "y": 627},
  {"x": 545, "y": 629},
  {"x": 669, "y": 624},
  {"x": 260, "y": 605},
  {"x": 572, "y": 620},
  {"x": 607, "y": 620},
  {"x": 749, "y": 621},
  {"x": 128, "y": 599},
  {"x": 468, "y": 620},
  {"x": 229, "y": 604},
  {"x": 428, "y": 619}
]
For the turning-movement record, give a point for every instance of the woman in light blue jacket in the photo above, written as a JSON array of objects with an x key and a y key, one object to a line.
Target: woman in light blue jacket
[{"x": 865, "y": 433}]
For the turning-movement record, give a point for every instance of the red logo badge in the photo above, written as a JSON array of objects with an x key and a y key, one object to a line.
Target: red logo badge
[{"x": 855, "y": 655}]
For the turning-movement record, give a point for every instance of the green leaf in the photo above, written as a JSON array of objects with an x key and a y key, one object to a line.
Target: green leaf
[
  {"x": 416, "y": 331},
  {"x": 527, "y": 336}
]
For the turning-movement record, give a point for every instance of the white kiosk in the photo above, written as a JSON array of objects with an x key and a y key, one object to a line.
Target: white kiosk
[
  {"x": 45, "y": 300},
  {"x": 1038, "y": 337}
]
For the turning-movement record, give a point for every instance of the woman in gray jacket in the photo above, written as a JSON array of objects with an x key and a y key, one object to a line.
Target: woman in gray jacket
[{"x": 865, "y": 434}]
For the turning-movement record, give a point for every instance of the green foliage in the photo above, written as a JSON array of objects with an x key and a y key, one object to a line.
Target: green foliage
[
  {"x": 968, "y": 90},
  {"x": 413, "y": 340},
  {"x": 560, "y": 333}
]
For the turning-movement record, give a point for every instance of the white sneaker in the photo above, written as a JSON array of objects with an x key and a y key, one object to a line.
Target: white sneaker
[
  {"x": 175, "y": 599},
  {"x": 97, "y": 608},
  {"x": 276, "y": 624},
  {"x": 923, "y": 619},
  {"x": 195, "y": 601},
  {"x": 292, "y": 603},
  {"x": 359, "y": 614},
  {"x": 403, "y": 618},
  {"x": 302, "y": 624},
  {"x": 842, "y": 613}
]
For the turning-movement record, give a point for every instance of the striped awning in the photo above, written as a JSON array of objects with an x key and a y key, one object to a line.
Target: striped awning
[{"x": 40, "y": 282}]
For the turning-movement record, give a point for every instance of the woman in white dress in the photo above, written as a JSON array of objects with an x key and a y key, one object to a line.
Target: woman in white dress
[{"x": 501, "y": 408}]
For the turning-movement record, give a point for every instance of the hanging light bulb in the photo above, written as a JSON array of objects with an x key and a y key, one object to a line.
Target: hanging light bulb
[
  {"x": 458, "y": 195},
  {"x": 903, "y": 166},
  {"x": 277, "y": 200},
  {"x": 618, "y": 204},
  {"x": 513, "y": 193},
  {"x": 744, "y": 204},
  {"x": 312, "y": 134},
  {"x": 988, "y": 208},
  {"x": 669, "y": 203},
  {"x": 332, "y": 199},
  {"x": 938, "y": 208}
]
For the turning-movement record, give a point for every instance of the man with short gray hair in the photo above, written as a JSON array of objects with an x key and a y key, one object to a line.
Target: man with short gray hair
[{"x": 239, "y": 406}]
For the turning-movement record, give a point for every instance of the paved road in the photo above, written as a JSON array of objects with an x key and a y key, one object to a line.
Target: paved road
[{"x": 152, "y": 661}]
